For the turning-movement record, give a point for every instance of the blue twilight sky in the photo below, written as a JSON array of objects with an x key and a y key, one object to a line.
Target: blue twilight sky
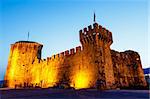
[{"x": 55, "y": 24}]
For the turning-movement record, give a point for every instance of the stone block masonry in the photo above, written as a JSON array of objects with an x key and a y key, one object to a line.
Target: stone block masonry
[{"x": 92, "y": 65}]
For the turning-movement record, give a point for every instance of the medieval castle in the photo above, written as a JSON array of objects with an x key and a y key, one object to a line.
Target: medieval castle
[{"x": 92, "y": 65}]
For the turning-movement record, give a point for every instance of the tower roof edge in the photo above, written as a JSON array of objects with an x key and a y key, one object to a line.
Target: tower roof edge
[{"x": 27, "y": 42}]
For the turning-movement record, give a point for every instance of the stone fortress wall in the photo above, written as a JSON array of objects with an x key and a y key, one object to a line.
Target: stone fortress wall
[{"x": 92, "y": 65}]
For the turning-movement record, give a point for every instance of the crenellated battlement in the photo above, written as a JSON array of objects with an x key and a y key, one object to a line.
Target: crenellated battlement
[
  {"x": 64, "y": 54},
  {"x": 89, "y": 35}
]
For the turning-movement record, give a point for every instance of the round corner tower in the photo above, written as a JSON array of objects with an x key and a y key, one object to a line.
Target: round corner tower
[{"x": 22, "y": 54}]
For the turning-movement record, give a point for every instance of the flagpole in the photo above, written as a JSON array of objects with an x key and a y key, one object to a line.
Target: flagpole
[
  {"x": 28, "y": 37},
  {"x": 94, "y": 17}
]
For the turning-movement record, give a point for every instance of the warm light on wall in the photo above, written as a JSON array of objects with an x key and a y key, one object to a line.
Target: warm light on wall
[
  {"x": 11, "y": 74},
  {"x": 52, "y": 77},
  {"x": 82, "y": 80}
]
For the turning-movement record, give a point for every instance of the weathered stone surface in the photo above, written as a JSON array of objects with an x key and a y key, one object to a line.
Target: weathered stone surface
[
  {"x": 127, "y": 69},
  {"x": 22, "y": 55},
  {"x": 92, "y": 65}
]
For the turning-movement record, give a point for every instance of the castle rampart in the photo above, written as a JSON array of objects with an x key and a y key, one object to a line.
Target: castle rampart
[{"x": 92, "y": 65}]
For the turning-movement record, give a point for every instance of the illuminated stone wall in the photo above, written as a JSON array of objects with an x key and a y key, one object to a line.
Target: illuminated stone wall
[
  {"x": 22, "y": 54},
  {"x": 92, "y": 65},
  {"x": 96, "y": 41},
  {"x": 127, "y": 69}
]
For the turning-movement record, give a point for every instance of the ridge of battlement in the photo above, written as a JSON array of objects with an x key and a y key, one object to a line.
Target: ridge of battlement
[
  {"x": 89, "y": 34},
  {"x": 126, "y": 54},
  {"x": 63, "y": 54}
]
